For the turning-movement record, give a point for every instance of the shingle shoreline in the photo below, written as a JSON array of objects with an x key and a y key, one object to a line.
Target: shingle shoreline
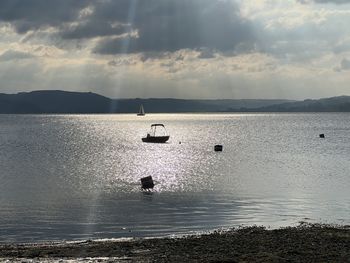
[{"x": 305, "y": 243}]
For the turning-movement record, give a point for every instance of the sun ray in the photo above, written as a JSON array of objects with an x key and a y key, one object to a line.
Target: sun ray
[{"x": 124, "y": 49}]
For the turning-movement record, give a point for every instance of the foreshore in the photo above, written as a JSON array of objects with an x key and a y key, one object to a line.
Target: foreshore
[{"x": 305, "y": 243}]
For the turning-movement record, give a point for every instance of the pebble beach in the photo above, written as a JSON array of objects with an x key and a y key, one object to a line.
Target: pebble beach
[{"x": 304, "y": 243}]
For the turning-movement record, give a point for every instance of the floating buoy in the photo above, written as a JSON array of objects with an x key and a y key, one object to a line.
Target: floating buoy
[
  {"x": 218, "y": 148},
  {"x": 147, "y": 182},
  {"x": 322, "y": 135}
]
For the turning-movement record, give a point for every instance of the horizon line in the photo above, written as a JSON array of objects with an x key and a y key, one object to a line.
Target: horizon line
[{"x": 170, "y": 98}]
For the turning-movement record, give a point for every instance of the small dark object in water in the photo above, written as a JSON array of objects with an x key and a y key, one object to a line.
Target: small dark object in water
[
  {"x": 147, "y": 182},
  {"x": 218, "y": 148},
  {"x": 321, "y": 135}
]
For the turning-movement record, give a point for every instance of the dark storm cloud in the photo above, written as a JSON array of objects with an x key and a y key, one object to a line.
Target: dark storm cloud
[
  {"x": 92, "y": 29},
  {"x": 169, "y": 25},
  {"x": 135, "y": 26},
  {"x": 27, "y": 15}
]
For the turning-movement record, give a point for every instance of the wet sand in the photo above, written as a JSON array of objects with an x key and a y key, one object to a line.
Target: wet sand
[{"x": 305, "y": 243}]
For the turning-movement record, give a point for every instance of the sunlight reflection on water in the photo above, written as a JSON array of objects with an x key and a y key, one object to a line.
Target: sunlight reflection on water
[{"x": 78, "y": 176}]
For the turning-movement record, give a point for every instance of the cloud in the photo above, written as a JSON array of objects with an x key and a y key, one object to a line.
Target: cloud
[
  {"x": 206, "y": 53},
  {"x": 134, "y": 26},
  {"x": 325, "y": 1},
  {"x": 345, "y": 64},
  {"x": 91, "y": 29},
  {"x": 167, "y": 25},
  {"x": 14, "y": 55},
  {"x": 333, "y": 1},
  {"x": 299, "y": 33},
  {"x": 35, "y": 14}
]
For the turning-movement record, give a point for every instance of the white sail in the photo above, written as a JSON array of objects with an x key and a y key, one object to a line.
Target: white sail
[{"x": 141, "y": 111}]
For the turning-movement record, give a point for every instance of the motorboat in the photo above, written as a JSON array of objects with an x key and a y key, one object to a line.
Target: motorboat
[{"x": 157, "y": 134}]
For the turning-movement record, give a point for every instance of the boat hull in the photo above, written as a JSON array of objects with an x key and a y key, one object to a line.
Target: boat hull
[{"x": 156, "y": 139}]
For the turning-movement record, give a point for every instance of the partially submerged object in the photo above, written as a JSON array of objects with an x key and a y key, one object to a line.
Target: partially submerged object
[
  {"x": 218, "y": 148},
  {"x": 147, "y": 183},
  {"x": 157, "y": 134}
]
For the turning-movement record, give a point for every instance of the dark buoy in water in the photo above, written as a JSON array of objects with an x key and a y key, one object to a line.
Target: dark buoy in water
[
  {"x": 218, "y": 148},
  {"x": 147, "y": 182},
  {"x": 322, "y": 135}
]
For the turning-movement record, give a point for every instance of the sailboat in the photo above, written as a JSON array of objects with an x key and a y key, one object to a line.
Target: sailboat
[{"x": 141, "y": 111}]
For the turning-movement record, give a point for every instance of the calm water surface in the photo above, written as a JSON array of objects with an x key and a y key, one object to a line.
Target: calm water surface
[{"x": 72, "y": 177}]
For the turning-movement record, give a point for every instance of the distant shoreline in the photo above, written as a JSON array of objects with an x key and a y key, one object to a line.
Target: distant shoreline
[
  {"x": 305, "y": 243},
  {"x": 63, "y": 102},
  {"x": 182, "y": 113}
]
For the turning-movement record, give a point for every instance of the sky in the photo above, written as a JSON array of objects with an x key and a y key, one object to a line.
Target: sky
[{"x": 192, "y": 49}]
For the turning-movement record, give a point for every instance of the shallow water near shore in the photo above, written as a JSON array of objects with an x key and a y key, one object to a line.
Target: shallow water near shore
[{"x": 77, "y": 177}]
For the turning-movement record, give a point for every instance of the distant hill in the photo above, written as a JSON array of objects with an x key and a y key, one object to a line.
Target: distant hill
[
  {"x": 53, "y": 102},
  {"x": 86, "y": 102},
  {"x": 179, "y": 105},
  {"x": 57, "y": 101},
  {"x": 334, "y": 104}
]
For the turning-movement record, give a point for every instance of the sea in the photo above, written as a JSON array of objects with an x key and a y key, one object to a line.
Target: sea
[{"x": 77, "y": 177}]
